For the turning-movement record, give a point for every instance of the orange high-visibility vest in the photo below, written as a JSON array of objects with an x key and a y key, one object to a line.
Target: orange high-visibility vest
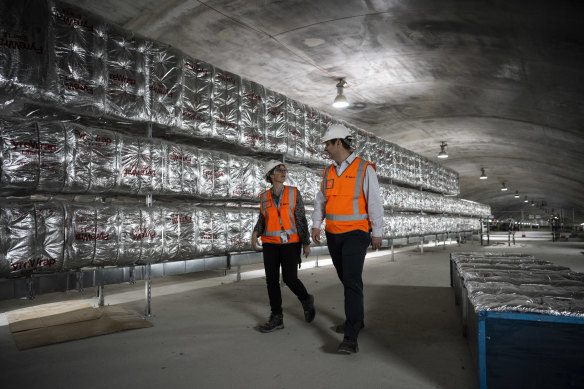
[
  {"x": 346, "y": 207},
  {"x": 282, "y": 219}
]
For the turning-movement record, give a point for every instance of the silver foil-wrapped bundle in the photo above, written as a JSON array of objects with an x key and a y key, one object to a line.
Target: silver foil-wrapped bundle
[
  {"x": 151, "y": 235},
  {"x": 165, "y": 84},
  {"x": 187, "y": 219},
  {"x": 20, "y": 156},
  {"x": 295, "y": 126},
  {"x": 212, "y": 231},
  {"x": 152, "y": 165},
  {"x": 80, "y": 59},
  {"x": 105, "y": 236},
  {"x": 31, "y": 238},
  {"x": 225, "y": 108},
  {"x": 207, "y": 175},
  {"x": 276, "y": 117},
  {"x": 25, "y": 54},
  {"x": 253, "y": 112},
  {"x": 51, "y": 154},
  {"x": 313, "y": 133},
  {"x": 181, "y": 169},
  {"x": 82, "y": 234},
  {"x": 196, "y": 98},
  {"x": 128, "y": 68},
  {"x": 92, "y": 161},
  {"x": 170, "y": 223},
  {"x": 221, "y": 175},
  {"x": 130, "y": 239},
  {"x": 243, "y": 178}
]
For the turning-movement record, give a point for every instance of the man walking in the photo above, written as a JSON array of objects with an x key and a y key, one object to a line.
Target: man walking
[{"x": 349, "y": 201}]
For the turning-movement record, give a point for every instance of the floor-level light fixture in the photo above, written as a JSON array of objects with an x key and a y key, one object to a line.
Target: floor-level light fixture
[
  {"x": 340, "y": 101},
  {"x": 483, "y": 175},
  {"x": 516, "y": 194},
  {"x": 504, "y": 188},
  {"x": 443, "y": 153}
]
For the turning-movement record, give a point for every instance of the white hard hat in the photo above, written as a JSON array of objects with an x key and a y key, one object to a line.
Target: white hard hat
[
  {"x": 271, "y": 165},
  {"x": 336, "y": 131}
]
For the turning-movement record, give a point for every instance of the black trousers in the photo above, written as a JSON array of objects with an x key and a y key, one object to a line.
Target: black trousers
[
  {"x": 348, "y": 254},
  {"x": 288, "y": 257}
]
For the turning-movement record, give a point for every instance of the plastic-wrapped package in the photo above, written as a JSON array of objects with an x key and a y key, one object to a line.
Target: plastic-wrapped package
[
  {"x": 25, "y": 54},
  {"x": 220, "y": 175},
  {"x": 51, "y": 153},
  {"x": 225, "y": 108},
  {"x": 50, "y": 235},
  {"x": 151, "y": 166},
  {"x": 247, "y": 219},
  {"x": 170, "y": 222},
  {"x": 234, "y": 230},
  {"x": 31, "y": 238},
  {"x": 219, "y": 230},
  {"x": 81, "y": 236},
  {"x": 165, "y": 84},
  {"x": 80, "y": 59},
  {"x": 314, "y": 149},
  {"x": 249, "y": 186},
  {"x": 127, "y": 94},
  {"x": 188, "y": 220},
  {"x": 93, "y": 159},
  {"x": 181, "y": 169},
  {"x": 295, "y": 126},
  {"x": 130, "y": 242},
  {"x": 275, "y": 122},
  {"x": 196, "y": 97},
  {"x": 206, "y": 175},
  {"x": 205, "y": 231},
  {"x": 20, "y": 156},
  {"x": 253, "y": 112},
  {"x": 130, "y": 165},
  {"x": 151, "y": 235},
  {"x": 106, "y": 235}
]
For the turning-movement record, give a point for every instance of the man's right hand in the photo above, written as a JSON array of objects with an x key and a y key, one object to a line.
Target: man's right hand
[{"x": 316, "y": 235}]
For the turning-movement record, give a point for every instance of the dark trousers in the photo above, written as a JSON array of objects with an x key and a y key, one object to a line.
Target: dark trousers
[
  {"x": 348, "y": 254},
  {"x": 287, "y": 256}
]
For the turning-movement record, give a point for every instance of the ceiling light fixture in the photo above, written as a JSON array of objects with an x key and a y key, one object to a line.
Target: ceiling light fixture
[
  {"x": 340, "y": 101},
  {"x": 504, "y": 188},
  {"x": 483, "y": 175},
  {"x": 525, "y": 201},
  {"x": 516, "y": 194},
  {"x": 443, "y": 153}
]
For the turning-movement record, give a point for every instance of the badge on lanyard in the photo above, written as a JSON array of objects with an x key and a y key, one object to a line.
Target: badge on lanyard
[{"x": 284, "y": 236}]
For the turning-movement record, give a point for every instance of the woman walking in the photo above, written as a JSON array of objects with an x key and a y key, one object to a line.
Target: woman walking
[{"x": 284, "y": 232}]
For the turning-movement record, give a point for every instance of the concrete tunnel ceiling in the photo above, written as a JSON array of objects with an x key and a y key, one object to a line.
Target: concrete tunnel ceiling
[{"x": 501, "y": 82}]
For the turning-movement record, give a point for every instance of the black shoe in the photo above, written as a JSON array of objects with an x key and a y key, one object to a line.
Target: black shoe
[
  {"x": 348, "y": 346},
  {"x": 340, "y": 329},
  {"x": 308, "y": 306},
  {"x": 276, "y": 322}
]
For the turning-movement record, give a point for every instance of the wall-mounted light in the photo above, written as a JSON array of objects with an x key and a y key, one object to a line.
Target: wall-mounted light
[
  {"x": 443, "y": 153},
  {"x": 504, "y": 188},
  {"x": 340, "y": 101},
  {"x": 516, "y": 194},
  {"x": 483, "y": 175}
]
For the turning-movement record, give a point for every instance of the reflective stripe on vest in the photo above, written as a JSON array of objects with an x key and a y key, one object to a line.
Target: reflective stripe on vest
[
  {"x": 276, "y": 220},
  {"x": 358, "y": 218}
]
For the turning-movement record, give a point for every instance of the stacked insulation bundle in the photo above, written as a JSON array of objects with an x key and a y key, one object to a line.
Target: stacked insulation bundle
[
  {"x": 518, "y": 283},
  {"x": 53, "y": 236}
]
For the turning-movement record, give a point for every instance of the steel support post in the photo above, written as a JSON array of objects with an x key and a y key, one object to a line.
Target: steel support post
[{"x": 148, "y": 290}]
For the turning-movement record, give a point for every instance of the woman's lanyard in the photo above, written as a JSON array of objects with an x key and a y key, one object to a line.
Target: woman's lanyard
[{"x": 279, "y": 200}]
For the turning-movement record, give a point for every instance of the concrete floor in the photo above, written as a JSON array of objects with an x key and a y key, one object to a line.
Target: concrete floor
[{"x": 203, "y": 334}]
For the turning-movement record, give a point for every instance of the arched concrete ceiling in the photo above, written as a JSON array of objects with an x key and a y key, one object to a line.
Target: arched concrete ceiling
[{"x": 502, "y": 82}]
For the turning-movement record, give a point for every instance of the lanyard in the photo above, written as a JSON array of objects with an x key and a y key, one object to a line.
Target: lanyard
[{"x": 278, "y": 206}]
